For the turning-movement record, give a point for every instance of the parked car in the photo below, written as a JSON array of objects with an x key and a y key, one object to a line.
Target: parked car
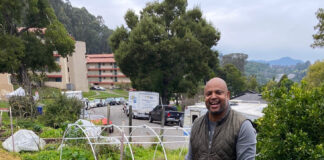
[
  {"x": 98, "y": 88},
  {"x": 171, "y": 114},
  {"x": 96, "y": 103},
  {"x": 120, "y": 100},
  {"x": 110, "y": 101}
]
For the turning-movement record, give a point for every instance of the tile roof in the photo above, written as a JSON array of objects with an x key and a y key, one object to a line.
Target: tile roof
[{"x": 100, "y": 58}]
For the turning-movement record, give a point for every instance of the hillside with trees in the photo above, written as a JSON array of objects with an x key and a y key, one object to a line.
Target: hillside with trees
[
  {"x": 83, "y": 26},
  {"x": 265, "y": 72}
]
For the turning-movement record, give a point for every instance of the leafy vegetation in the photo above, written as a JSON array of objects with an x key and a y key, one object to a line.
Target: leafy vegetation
[
  {"x": 293, "y": 124},
  {"x": 315, "y": 74},
  {"x": 103, "y": 152},
  {"x": 319, "y": 36},
  {"x": 63, "y": 109},
  {"x": 29, "y": 34},
  {"x": 23, "y": 106},
  {"x": 166, "y": 49}
]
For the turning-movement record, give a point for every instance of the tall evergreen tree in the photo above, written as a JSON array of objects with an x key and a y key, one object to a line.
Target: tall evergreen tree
[{"x": 167, "y": 48}]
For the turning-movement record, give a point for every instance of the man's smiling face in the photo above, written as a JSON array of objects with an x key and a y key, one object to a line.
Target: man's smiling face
[{"x": 216, "y": 96}]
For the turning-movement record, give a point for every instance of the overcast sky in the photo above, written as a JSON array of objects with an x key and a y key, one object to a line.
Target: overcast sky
[{"x": 263, "y": 29}]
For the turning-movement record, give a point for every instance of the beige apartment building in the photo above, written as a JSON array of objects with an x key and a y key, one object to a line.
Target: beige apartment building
[
  {"x": 5, "y": 85},
  {"x": 73, "y": 71},
  {"x": 103, "y": 71}
]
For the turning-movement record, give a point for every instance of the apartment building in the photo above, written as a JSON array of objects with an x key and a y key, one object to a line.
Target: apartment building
[
  {"x": 103, "y": 71},
  {"x": 73, "y": 71},
  {"x": 5, "y": 85}
]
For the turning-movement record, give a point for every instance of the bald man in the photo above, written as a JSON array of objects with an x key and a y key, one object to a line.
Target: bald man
[{"x": 221, "y": 133}]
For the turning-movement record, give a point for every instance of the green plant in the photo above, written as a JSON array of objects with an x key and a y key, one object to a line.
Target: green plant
[
  {"x": 48, "y": 132},
  {"x": 23, "y": 106},
  {"x": 4, "y": 104},
  {"x": 63, "y": 109},
  {"x": 293, "y": 124}
]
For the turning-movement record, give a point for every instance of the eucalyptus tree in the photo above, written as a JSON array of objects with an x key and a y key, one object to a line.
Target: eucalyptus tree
[
  {"x": 166, "y": 48},
  {"x": 319, "y": 36},
  {"x": 29, "y": 34}
]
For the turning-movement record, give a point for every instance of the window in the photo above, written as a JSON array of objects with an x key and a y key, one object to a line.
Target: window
[
  {"x": 68, "y": 69},
  {"x": 57, "y": 59}
]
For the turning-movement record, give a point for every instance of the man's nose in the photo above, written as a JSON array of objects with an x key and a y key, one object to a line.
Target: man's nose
[{"x": 213, "y": 95}]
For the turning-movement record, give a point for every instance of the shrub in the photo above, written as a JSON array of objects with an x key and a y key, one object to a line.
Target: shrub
[
  {"x": 61, "y": 110},
  {"x": 22, "y": 106},
  {"x": 51, "y": 133},
  {"x": 293, "y": 124}
]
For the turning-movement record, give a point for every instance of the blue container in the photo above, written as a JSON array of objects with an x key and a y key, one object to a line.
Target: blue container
[{"x": 40, "y": 109}]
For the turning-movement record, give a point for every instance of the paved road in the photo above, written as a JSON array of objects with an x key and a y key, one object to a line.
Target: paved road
[{"x": 120, "y": 119}]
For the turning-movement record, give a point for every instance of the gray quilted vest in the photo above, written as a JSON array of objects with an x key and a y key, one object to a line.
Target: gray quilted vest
[{"x": 224, "y": 139}]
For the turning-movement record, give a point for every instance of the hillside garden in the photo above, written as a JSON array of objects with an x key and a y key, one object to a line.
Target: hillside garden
[{"x": 58, "y": 112}]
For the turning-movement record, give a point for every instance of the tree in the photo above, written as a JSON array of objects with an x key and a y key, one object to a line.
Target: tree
[
  {"x": 319, "y": 36},
  {"x": 29, "y": 33},
  {"x": 237, "y": 59},
  {"x": 252, "y": 83},
  {"x": 315, "y": 74},
  {"x": 293, "y": 123},
  {"x": 83, "y": 26},
  {"x": 236, "y": 82},
  {"x": 166, "y": 49}
]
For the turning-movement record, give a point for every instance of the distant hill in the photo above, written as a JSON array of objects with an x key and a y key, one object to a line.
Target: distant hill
[
  {"x": 265, "y": 72},
  {"x": 284, "y": 61}
]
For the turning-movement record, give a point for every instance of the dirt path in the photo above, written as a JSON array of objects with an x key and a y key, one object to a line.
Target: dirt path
[{"x": 4, "y": 155}]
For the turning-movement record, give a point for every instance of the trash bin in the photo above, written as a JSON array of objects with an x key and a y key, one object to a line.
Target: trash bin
[{"x": 40, "y": 109}]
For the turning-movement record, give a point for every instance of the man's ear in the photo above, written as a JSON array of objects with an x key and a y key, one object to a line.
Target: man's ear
[{"x": 229, "y": 94}]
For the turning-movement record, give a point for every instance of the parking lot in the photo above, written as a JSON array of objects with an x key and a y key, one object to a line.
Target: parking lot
[{"x": 172, "y": 133}]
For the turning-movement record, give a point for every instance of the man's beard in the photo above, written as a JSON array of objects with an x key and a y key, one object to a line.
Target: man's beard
[{"x": 221, "y": 110}]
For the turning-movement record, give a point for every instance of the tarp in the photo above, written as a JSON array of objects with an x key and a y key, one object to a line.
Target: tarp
[
  {"x": 90, "y": 129},
  {"x": 24, "y": 140},
  {"x": 18, "y": 92}
]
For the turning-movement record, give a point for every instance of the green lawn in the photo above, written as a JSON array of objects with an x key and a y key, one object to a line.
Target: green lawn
[
  {"x": 105, "y": 94},
  {"x": 4, "y": 104}
]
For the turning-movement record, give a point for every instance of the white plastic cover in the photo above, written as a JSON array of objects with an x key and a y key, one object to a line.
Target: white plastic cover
[
  {"x": 24, "y": 140},
  {"x": 18, "y": 92},
  {"x": 90, "y": 129}
]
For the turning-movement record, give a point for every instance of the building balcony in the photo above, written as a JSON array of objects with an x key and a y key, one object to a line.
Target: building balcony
[
  {"x": 103, "y": 69},
  {"x": 97, "y": 82},
  {"x": 54, "y": 76},
  {"x": 95, "y": 76}
]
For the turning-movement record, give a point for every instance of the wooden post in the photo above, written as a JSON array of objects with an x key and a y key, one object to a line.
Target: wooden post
[
  {"x": 13, "y": 141},
  {"x": 130, "y": 122},
  {"x": 108, "y": 116},
  {"x": 162, "y": 121},
  {"x": 122, "y": 142}
]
